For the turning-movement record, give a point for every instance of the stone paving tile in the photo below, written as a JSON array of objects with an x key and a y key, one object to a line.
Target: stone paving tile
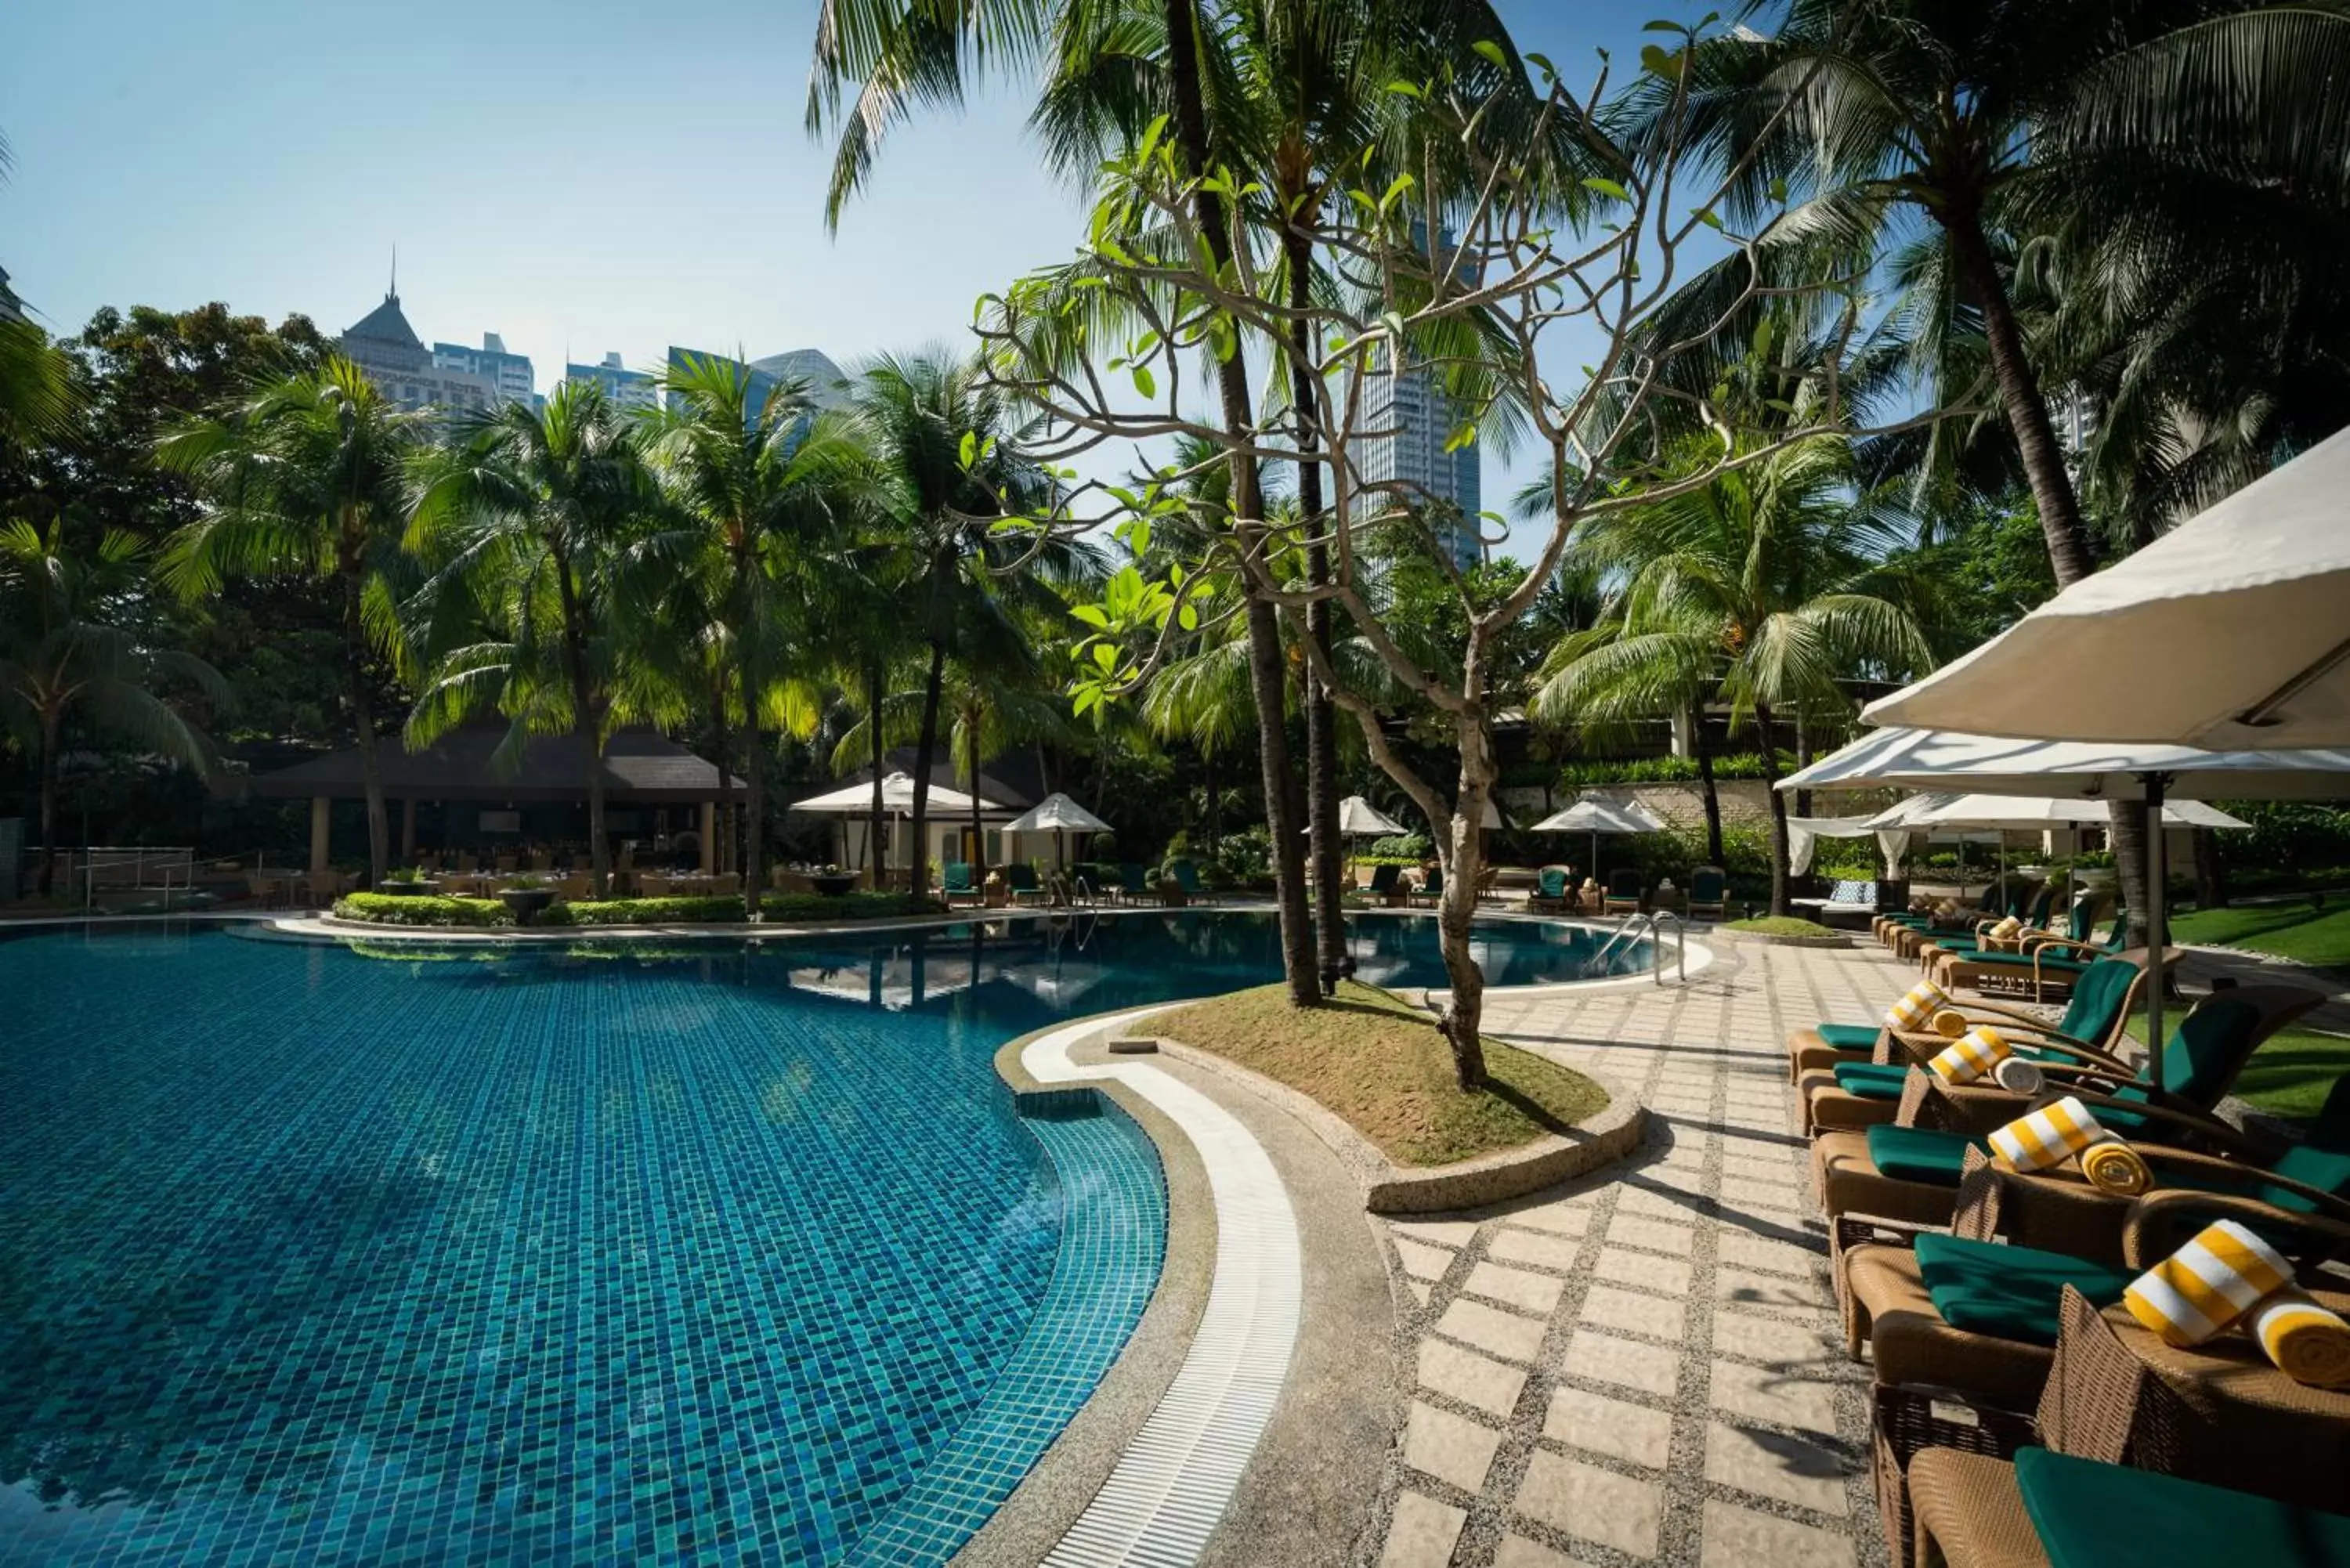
[{"x": 1644, "y": 1367}]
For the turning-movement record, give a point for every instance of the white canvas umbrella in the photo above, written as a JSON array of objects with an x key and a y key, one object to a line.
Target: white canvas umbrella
[
  {"x": 1595, "y": 814},
  {"x": 898, "y": 800},
  {"x": 1358, "y": 818},
  {"x": 2025, "y": 813},
  {"x": 2232, "y": 630},
  {"x": 1059, "y": 815},
  {"x": 1935, "y": 759}
]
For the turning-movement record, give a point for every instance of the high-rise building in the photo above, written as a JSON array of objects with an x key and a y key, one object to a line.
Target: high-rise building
[
  {"x": 623, "y": 387},
  {"x": 383, "y": 345},
  {"x": 812, "y": 368},
  {"x": 1423, "y": 417},
  {"x": 1413, "y": 405},
  {"x": 509, "y": 372},
  {"x": 11, "y": 307}
]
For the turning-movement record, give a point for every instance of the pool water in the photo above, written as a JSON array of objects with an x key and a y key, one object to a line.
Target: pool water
[{"x": 705, "y": 1253}]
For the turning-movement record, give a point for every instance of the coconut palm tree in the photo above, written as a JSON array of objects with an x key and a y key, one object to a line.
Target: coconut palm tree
[
  {"x": 1764, "y": 589},
  {"x": 531, "y": 516},
  {"x": 767, "y": 485},
  {"x": 69, "y": 652},
  {"x": 308, "y": 476},
  {"x": 944, "y": 443}
]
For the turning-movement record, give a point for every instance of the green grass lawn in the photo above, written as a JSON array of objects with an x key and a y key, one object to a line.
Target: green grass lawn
[
  {"x": 2292, "y": 930},
  {"x": 1381, "y": 1064},
  {"x": 2290, "y": 1073}
]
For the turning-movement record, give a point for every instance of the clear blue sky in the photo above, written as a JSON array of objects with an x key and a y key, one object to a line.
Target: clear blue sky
[{"x": 579, "y": 174}]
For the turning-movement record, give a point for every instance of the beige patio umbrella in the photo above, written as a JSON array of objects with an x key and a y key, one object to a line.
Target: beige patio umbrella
[
  {"x": 1059, "y": 815},
  {"x": 1595, "y": 815},
  {"x": 2231, "y": 631}
]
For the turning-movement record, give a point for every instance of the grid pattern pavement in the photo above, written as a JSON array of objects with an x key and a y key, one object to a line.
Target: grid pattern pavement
[{"x": 1643, "y": 1367}]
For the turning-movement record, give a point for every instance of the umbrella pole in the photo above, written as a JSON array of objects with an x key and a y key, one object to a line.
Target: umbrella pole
[{"x": 2153, "y": 922}]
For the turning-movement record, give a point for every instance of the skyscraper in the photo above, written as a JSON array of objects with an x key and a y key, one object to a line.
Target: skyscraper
[
  {"x": 511, "y": 373},
  {"x": 386, "y": 349},
  {"x": 1423, "y": 418},
  {"x": 623, "y": 387},
  {"x": 814, "y": 368}
]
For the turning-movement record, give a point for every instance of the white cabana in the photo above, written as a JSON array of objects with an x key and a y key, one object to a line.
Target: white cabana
[
  {"x": 1059, "y": 815},
  {"x": 1804, "y": 834},
  {"x": 1595, "y": 815},
  {"x": 1936, "y": 758},
  {"x": 898, "y": 800},
  {"x": 2232, "y": 630}
]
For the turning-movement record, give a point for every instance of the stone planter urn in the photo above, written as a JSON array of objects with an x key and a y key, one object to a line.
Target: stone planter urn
[
  {"x": 525, "y": 903},
  {"x": 421, "y": 888}
]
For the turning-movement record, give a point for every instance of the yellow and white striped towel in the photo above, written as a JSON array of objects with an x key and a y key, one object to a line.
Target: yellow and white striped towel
[
  {"x": 2006, "y": 929},
  {"x": 1978, "y": 1050},
  {"x": 2207, "y": 1284},
  {"x": 1917, "y": 1005},
  {"x": 2049, "y": 1135},
  {"x": 2017, "y": 1076},
  {"x": 2309, "y": 1344}
]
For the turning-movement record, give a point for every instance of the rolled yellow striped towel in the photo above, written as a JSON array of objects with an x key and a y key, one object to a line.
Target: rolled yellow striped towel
[
  {"x": 1978, "y": 1050},
  {"x": 2006, "y": 929},
  {"x": 2049, "y": 1135},
  {"x": 2309, "y": 1344},
  {"x": 1917, "y": 1005},
  {"x": 1950, "y": 1024},
  {"x": 2112, "y": 1166},
  {"x": 2207, "y": 1284},
  {"x": 2018, "y": 1076}
]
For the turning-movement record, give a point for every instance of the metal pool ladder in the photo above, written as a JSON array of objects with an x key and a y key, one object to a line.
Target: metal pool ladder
[{"x": 1652, "y": 923}]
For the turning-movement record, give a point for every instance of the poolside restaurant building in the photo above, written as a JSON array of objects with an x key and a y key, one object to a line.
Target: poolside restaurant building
[{"x": 453, "y": 796}]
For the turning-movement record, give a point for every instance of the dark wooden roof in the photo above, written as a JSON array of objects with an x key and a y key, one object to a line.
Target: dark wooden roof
[{"x": 639, "y": 765}]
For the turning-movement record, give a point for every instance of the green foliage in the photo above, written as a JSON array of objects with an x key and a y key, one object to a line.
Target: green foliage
[
  {"x": 1244, "y": 857},
  {"x": 388, "y": 910},
  {"x": 2288, "y": 833},
  {"x": 1783, "y": 926},
  {"x": 1664, "y": 770},
  {"x": 1402, "y": 848}
]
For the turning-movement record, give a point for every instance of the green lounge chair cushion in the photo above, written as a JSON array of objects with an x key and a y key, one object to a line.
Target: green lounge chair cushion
[
  {"x": 2092, "y": 1515},
  {"x": 1871, "y": 1080},
  {"x": 2009, "y": 1292},
  {"x": 1849, "y": 1036},
  {"x": 1920, "y": 1153}
]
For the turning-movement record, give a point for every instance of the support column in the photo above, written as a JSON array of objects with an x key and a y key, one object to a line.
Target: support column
[
  {"x": 321, "y": 814},
  {"x": 407, "y": 831},
  {"x": 708, "y": 836}
]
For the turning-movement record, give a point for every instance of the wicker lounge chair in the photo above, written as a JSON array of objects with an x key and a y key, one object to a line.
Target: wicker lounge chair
[
  {"x": 1134, "y": 883},
  {"x": 2047, "y": 962},
  {"x": 2091, "y": 1030},
  {"x": 2033, "y": 915},
  {"x": 1909, "y": 1170},
  {"x": 1020, "y": 881},
  {"x": 1624, "y": 890},
  {"x": 1552, "y": 889},
  {"x": 1186, "y": 876},
  {"x": 1824, "y": 1046},
  {"x": 1386, "y": 883},
  {"x": 1708, "y": 893},
  {"x": 1431, "y": 886}
]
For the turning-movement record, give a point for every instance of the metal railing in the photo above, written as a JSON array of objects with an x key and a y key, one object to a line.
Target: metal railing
[
  {"x": 1651, "y": 925},
  {"x": 128, "y": 868}
]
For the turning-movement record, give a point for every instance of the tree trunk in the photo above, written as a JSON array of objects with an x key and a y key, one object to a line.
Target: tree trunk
[
  {"x": 1325, "y": 843},
  {"x": 1266, "y": 678},
  {"x": 363, "y": 719},
  {"x": 1460, "y": 851},
  {"x": 1215, "y": 806},
  {"x": 587, "y": 723},
  {"x": 876, "y": 863},
  {"x": 52, "y": 723},
  {"x": 2021, "y": 396},
  {"x": 2126, "y": 836},
  {"x": 1778, "y": 811},
  {"x": 2210, "y": 871},
  {"x": 1803, "y": 760},
  {"x": 978, "y": 829},
  {"x": 1712, "y": 791},
  {"x": 755, "y": 805},
  {"x": 722, "y": 740},
  {"x": 926, "y": 745}
]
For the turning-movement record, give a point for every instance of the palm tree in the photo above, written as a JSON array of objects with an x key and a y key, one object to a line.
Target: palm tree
[
  {"x": 308, "y": 476},
  {"x": 532, "y": 515},
  {"x": 67, "y": 654},
  {"x": 767, "y": 485},
  {"x": 944, "y": 445},
  {"x": 1764, "y": 589}
]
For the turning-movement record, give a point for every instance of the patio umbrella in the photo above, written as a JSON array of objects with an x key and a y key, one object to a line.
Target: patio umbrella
[
  {"x": 1595, "y": 814},
  {"x": 2232, "y": 630},
  {"x": 1058, "y": 814},
  {"x": 897, "y": 800},
  {"x": 1936, "y": 759},
  {"x": 1358, "y": 818},
  {"x": 2002, "y": 812}
]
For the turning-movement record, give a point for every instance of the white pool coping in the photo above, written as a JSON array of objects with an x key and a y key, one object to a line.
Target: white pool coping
[{"x": 1172, "y": 1486}]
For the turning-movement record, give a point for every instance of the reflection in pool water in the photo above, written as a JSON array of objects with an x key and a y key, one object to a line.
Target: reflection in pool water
[{"x": 704, "y": 1251}]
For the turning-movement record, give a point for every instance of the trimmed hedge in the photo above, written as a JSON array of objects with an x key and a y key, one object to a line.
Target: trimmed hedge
[{"x": 383, "y": 909}]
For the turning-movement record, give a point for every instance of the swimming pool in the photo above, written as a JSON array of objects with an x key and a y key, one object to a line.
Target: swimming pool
[{"x": 716, "y": 1253}]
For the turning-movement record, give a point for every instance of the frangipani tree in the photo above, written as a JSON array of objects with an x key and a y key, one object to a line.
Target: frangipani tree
[{"x": 1484, "y": 316}]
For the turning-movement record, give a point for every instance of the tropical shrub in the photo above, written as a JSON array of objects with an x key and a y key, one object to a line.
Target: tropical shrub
[
  {"x": 1401, "y": 849},
  {"x": 383, "y": 910},
  {"x": 863, "y": 906}
]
